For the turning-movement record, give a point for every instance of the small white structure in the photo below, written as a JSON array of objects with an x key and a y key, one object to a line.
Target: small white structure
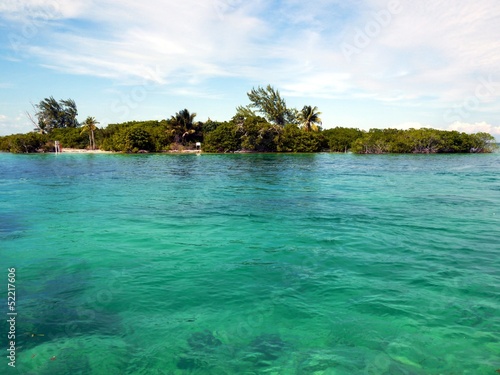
[
  {"x": 57, "y": 146},
  {"x": 198, "y": 145}
]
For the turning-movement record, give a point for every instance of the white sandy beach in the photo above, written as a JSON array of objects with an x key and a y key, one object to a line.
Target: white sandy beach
[
  {"x": 81, "y": 151},
  {"x": 85, "y": 151}
]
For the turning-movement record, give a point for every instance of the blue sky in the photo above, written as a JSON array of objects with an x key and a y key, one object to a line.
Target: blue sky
[{"x": 364, "y": 63}]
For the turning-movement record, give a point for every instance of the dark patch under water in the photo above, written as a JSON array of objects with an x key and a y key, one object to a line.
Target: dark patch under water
[
  {"x": 55, "y": 311},
  {"x": 201, "y": 347},
  {"x": 264, "y": 349},
  {"x": 204, "y": 341},
  {"x": 10, "y": 227}
]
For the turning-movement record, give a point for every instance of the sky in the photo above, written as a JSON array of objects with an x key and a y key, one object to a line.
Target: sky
[{"x": 363, "y": 63}]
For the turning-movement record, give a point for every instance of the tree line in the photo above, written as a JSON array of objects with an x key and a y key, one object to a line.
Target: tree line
[{"x": 266, "y": 124}]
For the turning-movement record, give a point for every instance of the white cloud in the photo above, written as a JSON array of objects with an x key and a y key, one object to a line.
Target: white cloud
[
  {"x": 444, "y": 49},
  {"x": 428, "y": 55},
  {"x": 475, "y": 128},
  {"x": 427, "y": 46},
  {"x": 35, "y": 11},
  {"x": 18, "y": 124},
  {"x": 328, "y": 85},
  {"x": 185, "y": 39}
]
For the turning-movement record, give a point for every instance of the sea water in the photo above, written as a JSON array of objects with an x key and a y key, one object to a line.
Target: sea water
[{"x": 251, "y": 264}]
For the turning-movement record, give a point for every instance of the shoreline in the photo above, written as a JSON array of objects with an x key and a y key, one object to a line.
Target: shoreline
[{"x": 85, "y": 151}]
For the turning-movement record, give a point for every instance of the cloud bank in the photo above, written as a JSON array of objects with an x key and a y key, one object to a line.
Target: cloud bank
[{"x": 426, "y": 54}]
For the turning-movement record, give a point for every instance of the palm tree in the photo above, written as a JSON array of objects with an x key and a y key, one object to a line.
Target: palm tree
[
  {"x": 89, "y": 126},
  {"x": 183, "y": 125},
  {"x": 309, "y": 117}
]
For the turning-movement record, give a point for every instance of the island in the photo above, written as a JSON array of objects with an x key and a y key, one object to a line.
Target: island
[{"x": 264, "y": 125}]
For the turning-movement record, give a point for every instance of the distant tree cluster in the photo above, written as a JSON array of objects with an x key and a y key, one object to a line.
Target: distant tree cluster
[
  {"x": 53, "y": 120},
  {"x": 421, "y": 141},
  {"x": 264, "y": 125}
]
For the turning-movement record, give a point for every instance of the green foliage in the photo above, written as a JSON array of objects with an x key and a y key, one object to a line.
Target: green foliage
[
  {"x": 276, "y": 131},
  {"x": 294, "y": 139},
  {"x": 24, "y": 143},
  {"x": 130, "y": 139},
  {"x": 137, "y": 139},
  {"x": 90, "y": 126},
  {"x": 259, "y": 135},
  {"x": 341, "y": 139},
  {"x": 69, "y": 137},
  {"x": 184, "y": 128},
  {"x": 309, "y": 118},
  {"x": 421, "y": 141},
  {"x": 243, "y": 113},
  {"x": 52, "y": 114},
  {"x": 160, "y": 135},
  {"x": 271, "y": 105},
  {"x": 256, "y": 134},
  {"x": 455, "y": 141},
  {"x": 225, "y": 138},
  {"x": 209, "y": 126},
  {"x": 376, "y": 141},
  {"x": 5, "y": 143},
  {"x": 134, "y": 136},
  {"x": 482, "y": 142}
]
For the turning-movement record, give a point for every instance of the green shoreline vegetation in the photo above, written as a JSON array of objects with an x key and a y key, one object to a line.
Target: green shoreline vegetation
[{"x": 265, "y": 125}]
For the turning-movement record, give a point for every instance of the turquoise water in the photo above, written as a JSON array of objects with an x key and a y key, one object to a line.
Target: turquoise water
[{"x": 252, "y": 264}]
